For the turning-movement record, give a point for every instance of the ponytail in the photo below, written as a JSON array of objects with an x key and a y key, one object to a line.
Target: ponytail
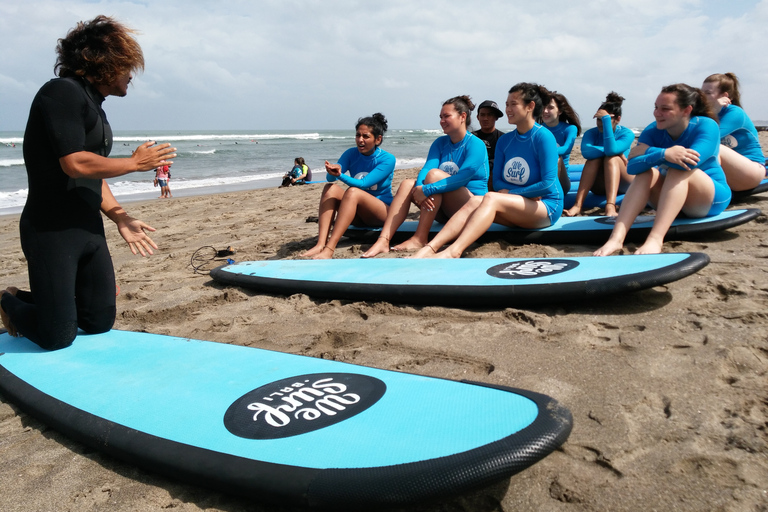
[
  {"x": 377, "y": 123},
  {"x": 727, "y": 83},
  {"x": 463, "y": 105}
]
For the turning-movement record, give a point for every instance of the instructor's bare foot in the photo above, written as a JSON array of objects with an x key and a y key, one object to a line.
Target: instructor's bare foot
[
  {"x": 573, "y": 211},
  {"x": 609, "y": 248},
  {"x": 409, "y": 245},
  {"x": 381, "y": 246},
  {"x": 4, "y": 316}
]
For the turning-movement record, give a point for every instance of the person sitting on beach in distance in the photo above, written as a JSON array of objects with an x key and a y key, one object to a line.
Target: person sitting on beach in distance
[
  {"x": 528, "y": 190},
  {"x": 487, "y": 114},
  {"x": 66, "y": 144},
  {"x": 560, "y": 118},
  {"x": 675, "y": 166},
  {"x": 605, "y": 148},
  {"x": 367, "y": 199},
  {"x": 455, "y": 171},
  {"x": 298, "y": 175},
  {"x": 741, "y": 156}
]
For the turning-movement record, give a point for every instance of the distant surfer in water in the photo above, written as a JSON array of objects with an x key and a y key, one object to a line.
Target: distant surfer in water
[
  {"x": 66, "y": 144},
  {"x": 367, "y": 170},
  {"x": 675, "y": 166},
  {"x": 525, "y": 178},
  {"x": 455, "y": 171}
]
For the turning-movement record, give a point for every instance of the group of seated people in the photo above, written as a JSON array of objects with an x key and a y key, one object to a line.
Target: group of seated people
[{"x": 699, "y": 149}]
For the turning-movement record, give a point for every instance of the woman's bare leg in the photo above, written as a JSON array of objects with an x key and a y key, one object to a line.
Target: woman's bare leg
[
  {"x": 741, "y": 173},
  {"x": 330, "y": 200},
  {"x": 452, "y": 228},
  {"x": 356, "y": 204},
  {"x": 398, "y": 211},
  {"x": 614, "y": 167},
  {"x": 588, "y": 176}
]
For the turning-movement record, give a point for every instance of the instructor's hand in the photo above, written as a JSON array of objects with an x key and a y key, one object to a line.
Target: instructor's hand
[
  {"x": 134, "y": 232},
  {"x": 152, "y": 155}
]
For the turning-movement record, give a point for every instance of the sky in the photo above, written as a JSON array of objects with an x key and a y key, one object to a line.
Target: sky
[{"x": 310, "y": 65}]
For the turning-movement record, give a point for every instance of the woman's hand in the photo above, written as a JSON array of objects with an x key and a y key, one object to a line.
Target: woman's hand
[
  {"x": 421, "y": 200},
  {"x": 332, "y": 169},
  {"x": 724, "y": 101},
  {"x": 151, "y": 155},
  {"x": 134, "y": 232},
  {"x": 601, "y": 113},
  {"x": 684, "y": 157}
]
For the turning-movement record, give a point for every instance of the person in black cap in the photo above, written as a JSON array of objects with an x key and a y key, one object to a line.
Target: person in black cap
[{"x": 487, "y": 114}]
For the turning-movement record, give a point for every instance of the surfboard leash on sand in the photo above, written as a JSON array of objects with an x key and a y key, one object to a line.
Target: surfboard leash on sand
[{"x": 208, "y": 253}]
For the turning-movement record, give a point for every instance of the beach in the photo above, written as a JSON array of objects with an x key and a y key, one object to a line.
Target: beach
[{"x": 668, "y": 387}]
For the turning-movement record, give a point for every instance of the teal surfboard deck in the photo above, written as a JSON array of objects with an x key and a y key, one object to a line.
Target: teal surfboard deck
[
  {"x": 464, "y": 282},
  {"x": 594, "y": 229},
  {"x": 285, "y": 428}
]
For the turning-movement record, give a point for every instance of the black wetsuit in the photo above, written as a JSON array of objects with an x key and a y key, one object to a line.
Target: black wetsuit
[
  {"x": 71, "y": 277},
  {"x": 490, "y": 140}
]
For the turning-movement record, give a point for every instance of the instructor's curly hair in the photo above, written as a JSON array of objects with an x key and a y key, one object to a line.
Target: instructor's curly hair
[{"x": 101, "y": 48}]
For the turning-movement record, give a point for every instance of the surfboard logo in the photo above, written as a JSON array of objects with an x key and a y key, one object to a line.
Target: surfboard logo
[
  {"x": 297, "y": 405},
  {"x": 527, "y": 269},
  {"x": 640, "y": 221}
]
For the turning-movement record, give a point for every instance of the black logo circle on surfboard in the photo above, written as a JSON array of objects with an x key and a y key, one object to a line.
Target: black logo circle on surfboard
[
  {"x": 529, "y": 269},
  {"x": 639, "y": 222},
  {"x": 297, "y": 405}
]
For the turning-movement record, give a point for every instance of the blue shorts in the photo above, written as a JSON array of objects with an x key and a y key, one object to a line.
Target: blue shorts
[{"x": 162, "y": 183}]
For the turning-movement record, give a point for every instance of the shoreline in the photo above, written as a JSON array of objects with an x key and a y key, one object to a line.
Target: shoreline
[{"x": 668, "y": 387}]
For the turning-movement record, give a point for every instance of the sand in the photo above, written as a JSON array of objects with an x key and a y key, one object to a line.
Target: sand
[{"x": 668, "y": 387}]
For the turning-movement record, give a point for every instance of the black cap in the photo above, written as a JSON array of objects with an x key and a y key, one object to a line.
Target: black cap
[{"x": 491, "y": 105}]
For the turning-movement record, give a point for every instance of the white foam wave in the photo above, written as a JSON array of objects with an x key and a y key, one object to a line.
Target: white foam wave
[
  {"x": 13, "y": 199},
  {"x": 11, "y": 162},
  {"x": 232, "y": 137},
  {"x": 11, "y": 140},
  {"x": 208, "y": 152},
  {"x": 407, "y": 163},
  {"x": 127, "y": 188}
]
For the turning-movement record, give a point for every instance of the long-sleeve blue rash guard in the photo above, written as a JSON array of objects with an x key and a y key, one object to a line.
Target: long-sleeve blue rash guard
[
  {"x": 372, "y": 173},
  {"x": 703, "y": 136},
  {"x": 596, "y": 144},
  {"x": 466, "y": 162},
  {"x": 526, "y": 165},
  {"x": 565, "y": 135},
  {"x": 738, "y": 133}
]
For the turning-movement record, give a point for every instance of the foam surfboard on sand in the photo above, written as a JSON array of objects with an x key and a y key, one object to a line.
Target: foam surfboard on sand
[
  {"x": 290, "y": 429},
  {"x": 593, "y": 229},
  {"x": 464, "y": 282}
]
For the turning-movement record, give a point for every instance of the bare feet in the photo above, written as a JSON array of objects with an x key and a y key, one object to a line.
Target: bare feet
[
  {"x": 313, "y": 251},
  {"x": 409, "y": 245},
  {"x": 425, "y": 252},
  {"x": 650, "y": 247},
  {"x": 611, "y": 210},
  {"x": 325, "y": 253},
  {"x": 4, "y": 316},
  {"x": 381, "y": 246},
  {"x": 609, "y": 248},
  {"x": 573, "y": 211}
]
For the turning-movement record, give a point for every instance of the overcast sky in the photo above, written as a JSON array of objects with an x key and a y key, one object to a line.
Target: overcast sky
[{"x": 259, "y": 65}]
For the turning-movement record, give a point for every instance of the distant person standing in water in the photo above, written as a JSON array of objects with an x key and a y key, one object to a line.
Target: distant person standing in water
[
  {"x": 66, "y": 144},
  {"x": 487, "y": 114}
]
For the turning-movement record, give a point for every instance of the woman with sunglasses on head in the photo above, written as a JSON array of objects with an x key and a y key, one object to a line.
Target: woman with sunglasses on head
[
  {"x": 605, "y": 148},
  {"x": 369, "y": 180},
  {"x": 528, "y": 192},
  {"x": 455, "y": 171},
  {"x": 675, "y": 166}
]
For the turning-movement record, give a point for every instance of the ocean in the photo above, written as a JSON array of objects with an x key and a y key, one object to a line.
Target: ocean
[{"x": 218, "y": 161}]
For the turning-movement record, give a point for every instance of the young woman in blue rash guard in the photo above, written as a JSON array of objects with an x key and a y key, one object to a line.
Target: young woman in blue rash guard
[
  {"x": 741, "y": 156},
  {"x": 456, "y": 170},
  {"x": 605, "y": 148},
  {"x": 367, "y": 199},
  {"x": 560, "y": 118},
  {"x": 528, "y": 193},
  {"x": 675, "y": 166}
]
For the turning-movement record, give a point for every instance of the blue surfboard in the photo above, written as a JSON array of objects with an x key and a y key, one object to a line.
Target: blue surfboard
[
  {"x": 280, "y": 427},
  {"x": 465, "y": 282},
  {"x": 594, "y": 229}
]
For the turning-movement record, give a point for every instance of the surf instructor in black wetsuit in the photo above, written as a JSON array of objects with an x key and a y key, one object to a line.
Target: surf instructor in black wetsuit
[{"x": 66, "y": 144}]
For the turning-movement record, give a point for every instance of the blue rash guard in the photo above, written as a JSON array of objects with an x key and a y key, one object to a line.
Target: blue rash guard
[
  {"x": 526, "y": 165},
  {"x": 372, "y": 173},
  {"x": 738, "y": 133},
  {"x": 595, "y": 144},
  {"x": 565, "y": 135},
  {"x": 701, "y": 135},
  {"x": 466, "y": 162}
]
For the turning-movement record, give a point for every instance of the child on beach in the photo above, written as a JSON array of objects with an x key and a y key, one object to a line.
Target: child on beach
[
  {"x": 559, "y": 117},
  {"x": 525, "y": 178},
  {"x": 162, "y": 177},
  {"x": 367, "y": 199},
  {"x": 606, "y": 148},
  {"x": 675, "y": 166},
  {"x": 741, "y": 156},
  {"x": 455, "y": 171}
]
